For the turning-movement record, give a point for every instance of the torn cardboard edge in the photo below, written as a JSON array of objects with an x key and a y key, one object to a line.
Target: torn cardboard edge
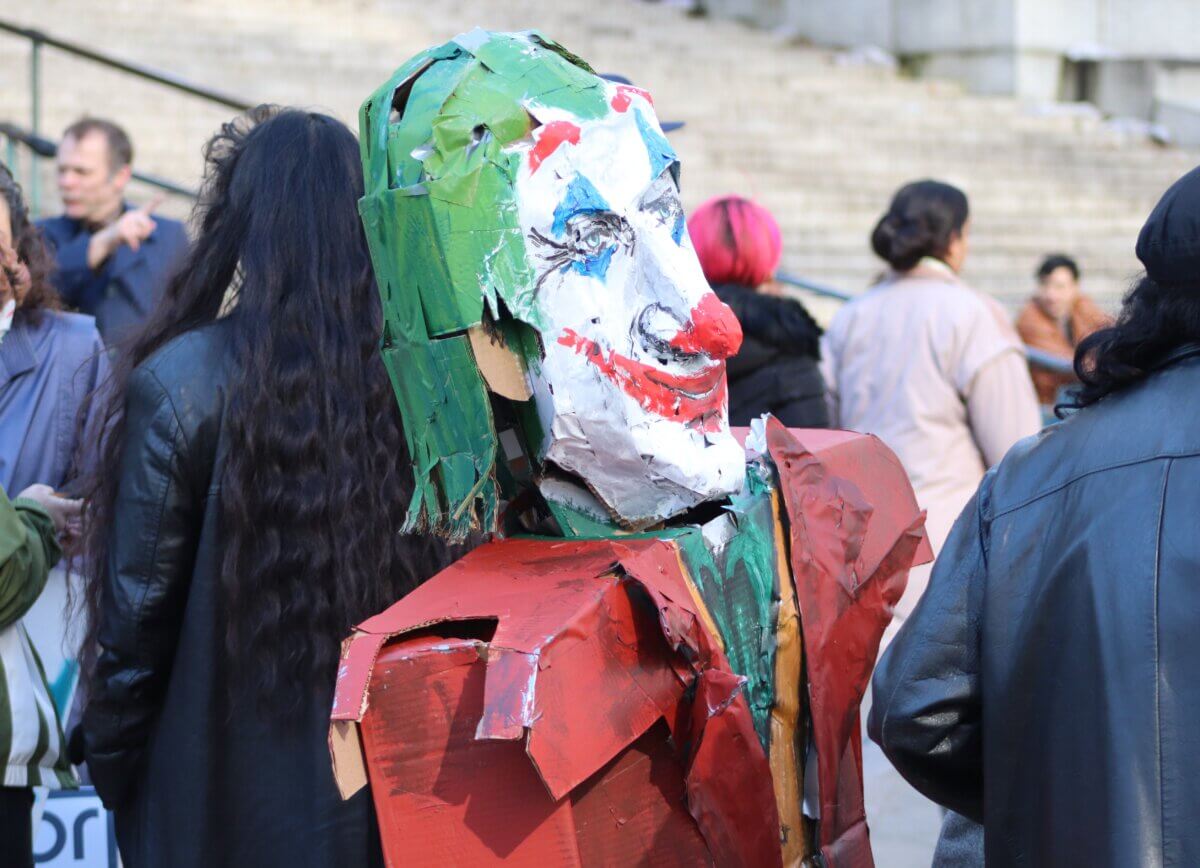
[
  {"x": 357, "y": 663},
  {"x": 346, "y": 752},
  {"x": 502, "y": 368}
]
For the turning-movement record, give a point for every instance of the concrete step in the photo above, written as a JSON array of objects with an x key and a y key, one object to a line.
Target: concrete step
[{"x": 823, "y": 145}]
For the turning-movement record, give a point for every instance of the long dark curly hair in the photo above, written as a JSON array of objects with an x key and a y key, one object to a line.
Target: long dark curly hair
[
  {"x": 1155, "y": 320},
  {"x": 31, "y": 250},
  {"x": 316, "y": 482}
]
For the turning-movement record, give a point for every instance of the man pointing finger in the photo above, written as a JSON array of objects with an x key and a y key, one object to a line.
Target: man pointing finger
[{"x": 114, "y": 260}]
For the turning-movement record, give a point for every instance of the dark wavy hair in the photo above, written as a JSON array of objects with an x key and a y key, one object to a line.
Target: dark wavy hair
[
  {"x": 1155, "y": 320},
  {"x": 317, "y": 478},
  {"x": 31, "y": 250},
  {"x": 922, "y": 220}
]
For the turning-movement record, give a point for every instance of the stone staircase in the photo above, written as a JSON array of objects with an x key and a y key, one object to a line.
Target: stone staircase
[{"x": 823, "y": 144}]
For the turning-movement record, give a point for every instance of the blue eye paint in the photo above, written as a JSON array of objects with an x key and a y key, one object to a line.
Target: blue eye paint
[
  {"x": 661, "y": 153},
  {"x": 581, "y": 198},
  {"x": 593, "y": 266},
  {"x": 677, "y": 229}
]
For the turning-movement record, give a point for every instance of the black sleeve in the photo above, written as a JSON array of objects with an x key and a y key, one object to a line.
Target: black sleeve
[
  {"x": 151, "y": 549},
  {"x": 810, "y": 411},
  {"x": 926, "y": 712},
  {"x": 802, "y": 401}
]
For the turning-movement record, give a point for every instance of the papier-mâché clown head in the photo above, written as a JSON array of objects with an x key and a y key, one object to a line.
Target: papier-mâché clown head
[{"x": 510, "y": 189}]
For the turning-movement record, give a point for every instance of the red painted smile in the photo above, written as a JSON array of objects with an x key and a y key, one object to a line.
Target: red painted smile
[{"x": 694, "y": 400}]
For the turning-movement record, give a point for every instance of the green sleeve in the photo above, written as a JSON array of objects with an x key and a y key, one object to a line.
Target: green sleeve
[{"x": 28, "y": 549}]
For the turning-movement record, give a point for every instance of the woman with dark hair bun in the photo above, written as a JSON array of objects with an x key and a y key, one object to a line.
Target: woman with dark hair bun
[
  {"x": 926, "y": 220},
  {"x": 245, "y": 514},
  {"x": 1048, "y": 685},
  {"x": 929, "y": 364}
]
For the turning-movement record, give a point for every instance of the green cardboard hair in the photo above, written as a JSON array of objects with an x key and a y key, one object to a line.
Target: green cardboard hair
[{"x": 441, "y": 219}]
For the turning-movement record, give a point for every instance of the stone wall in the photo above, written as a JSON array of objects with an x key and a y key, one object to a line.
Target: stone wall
[
  {"x": 821, "y": 143},
  {"x": 1135, "y": 58}
]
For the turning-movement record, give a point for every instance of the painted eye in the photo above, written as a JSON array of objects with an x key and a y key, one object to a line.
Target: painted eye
[
  {"x": 668, "y": 209},
  {"x": 593, "y": 237},
  {"x": 665, "y": 208},
  {"x": 593, "y": 233}
]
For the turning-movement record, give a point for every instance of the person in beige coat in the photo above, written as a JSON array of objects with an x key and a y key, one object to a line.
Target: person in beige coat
[
  {"x": 936, "y": 370},
  {"x": 930, "y": 365}
]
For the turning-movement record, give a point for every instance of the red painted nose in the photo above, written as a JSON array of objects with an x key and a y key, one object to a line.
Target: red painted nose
[{"x": 712, "y": 330}]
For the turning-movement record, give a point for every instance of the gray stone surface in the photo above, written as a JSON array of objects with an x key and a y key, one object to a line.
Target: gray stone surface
[
  {"x": 1023, "y": 48},
  {"x": 904, "y": 824},
  {"x": 822, "y": 145}
]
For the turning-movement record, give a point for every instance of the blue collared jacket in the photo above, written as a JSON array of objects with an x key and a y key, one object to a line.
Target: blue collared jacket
[
  {"x": 122, "y": 293},
  {"x": 47, "y": 367}
]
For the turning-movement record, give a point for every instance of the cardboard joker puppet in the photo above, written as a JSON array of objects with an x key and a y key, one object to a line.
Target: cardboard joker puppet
[{"x": 659, "y": 655}]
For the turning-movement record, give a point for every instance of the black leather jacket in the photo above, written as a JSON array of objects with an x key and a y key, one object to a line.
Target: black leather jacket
[
  {"x": 1047, "y": 683},
  {"x": 195, "y": 774}
]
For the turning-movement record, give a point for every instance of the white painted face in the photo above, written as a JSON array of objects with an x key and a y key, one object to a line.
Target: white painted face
[{"x": 631, "y": 392}]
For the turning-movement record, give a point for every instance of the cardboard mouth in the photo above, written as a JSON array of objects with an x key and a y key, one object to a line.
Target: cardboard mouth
[
  {"x": 694, "y": 400},
  {"x": 694, "y": 386}
]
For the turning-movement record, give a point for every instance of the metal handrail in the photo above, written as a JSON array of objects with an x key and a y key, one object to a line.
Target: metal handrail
[
  {"x": 1049, "y": 362},
  {"x": 136, "y": 69},
  {"x": 38, "y": 39},
  {"x": 812, "y": 286},
  {"x": 48, "y": 148},
  {"x": 1038, "y": 358}
]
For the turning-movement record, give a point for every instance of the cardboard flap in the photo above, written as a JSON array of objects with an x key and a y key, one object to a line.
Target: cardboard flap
[
  {"x": 502, "y": 369},
  {"x": 354, "y": 674},
  {"x": 867, "y": 483},
  {"x": 736, "y": 812},
  {"x": 607, "y": 678},
  {"x": 345, "y": 749},
  {"x": 509, "y": 693},
  {"x": 493, "y": 581},
  {"x": 855, "y": 531},
  {"x": 659, "y": 570}
]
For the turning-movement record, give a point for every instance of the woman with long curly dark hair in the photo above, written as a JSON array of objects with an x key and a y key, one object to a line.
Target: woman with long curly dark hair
[
  {"x": 245, "y": 515},
  {"x": 1158, "y": 319},
  {"x": 1049, "y": 676}
]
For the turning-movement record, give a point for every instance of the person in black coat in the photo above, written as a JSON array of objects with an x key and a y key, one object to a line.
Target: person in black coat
[
  {"x": 776, "y": 371},
  {"x": 1046, "y": 685},
  {"x": 245, "y": 514}
]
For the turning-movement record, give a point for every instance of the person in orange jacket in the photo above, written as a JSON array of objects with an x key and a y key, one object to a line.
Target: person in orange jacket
[{"x": 1055, "y": 319}]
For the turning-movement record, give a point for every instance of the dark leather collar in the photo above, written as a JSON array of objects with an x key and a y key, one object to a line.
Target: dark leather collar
[{"x": 1184, "y": 351}]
